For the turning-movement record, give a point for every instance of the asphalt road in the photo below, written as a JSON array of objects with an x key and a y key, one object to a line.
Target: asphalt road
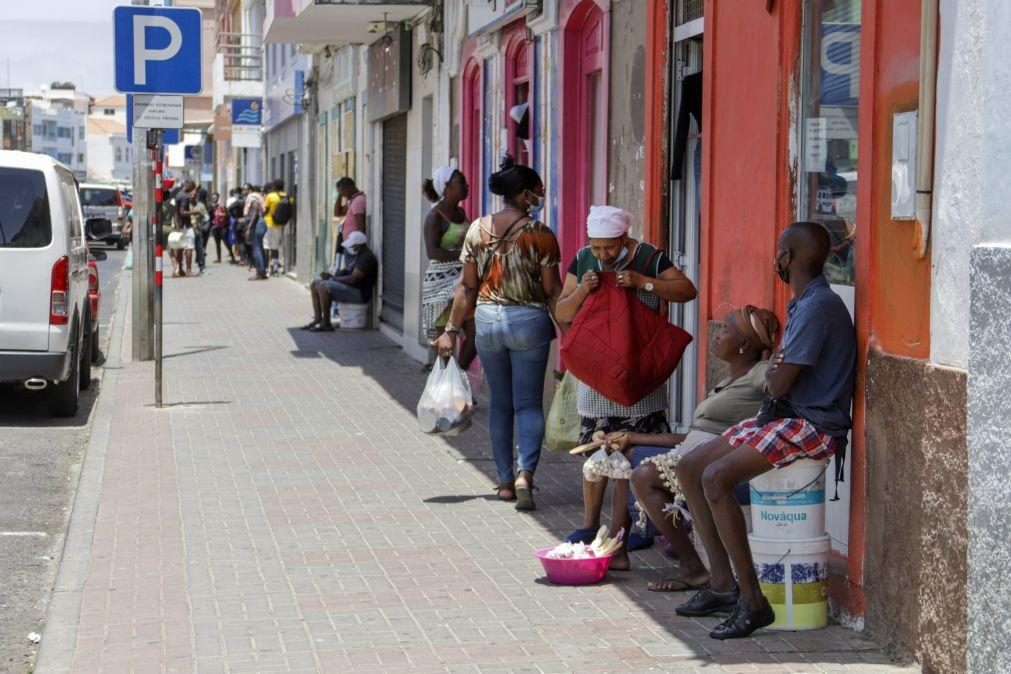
[{"x": 40, "y": 459}]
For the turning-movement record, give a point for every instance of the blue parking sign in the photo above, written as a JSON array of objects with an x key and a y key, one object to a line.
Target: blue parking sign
[{"x": 158, "y": 50}]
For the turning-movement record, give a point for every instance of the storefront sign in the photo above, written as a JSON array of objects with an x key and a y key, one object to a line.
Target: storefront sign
[
  {"x": 389, "y": 63},
  {"x": 840, "y": 64}
]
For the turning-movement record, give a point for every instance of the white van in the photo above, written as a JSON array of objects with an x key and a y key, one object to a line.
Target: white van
[{"x": 45, "y": 320}]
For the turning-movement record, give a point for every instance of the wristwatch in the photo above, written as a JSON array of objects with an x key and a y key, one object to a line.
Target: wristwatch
[
  {"x": 451, "y": 329},
  {"x": 649, "y": 286}
]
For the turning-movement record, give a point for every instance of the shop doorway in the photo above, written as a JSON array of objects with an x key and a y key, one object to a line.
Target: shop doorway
[
  {"x": 394, "y": 182},
  {"x": 584, "y": 136},
  {"x": 685, "y": 206}
]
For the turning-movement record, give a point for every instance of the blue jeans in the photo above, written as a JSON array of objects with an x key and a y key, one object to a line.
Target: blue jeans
[
  {"x": 341, "y": 292},
  {"x": 513, "y": 343},
  {"x": 258, "y": 257}
]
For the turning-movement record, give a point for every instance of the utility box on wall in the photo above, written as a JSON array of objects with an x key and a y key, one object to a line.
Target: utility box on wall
[
  {"x": 389, "y": 63},
  {"x": 904, "y": 135}
]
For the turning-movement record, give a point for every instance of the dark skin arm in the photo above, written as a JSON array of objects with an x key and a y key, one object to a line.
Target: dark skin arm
[
  {"x": 339, "y": 207},
  {"x": 672, "y": 285},
  {"x": 781, "y": 376},
  {"x": 626, "y": 441},
  {"x": 352, "y": 279},
  {"x": 433, "y": 233},
  {"x": 574, "y": 294},
  {"x": 551, "y": 282}
]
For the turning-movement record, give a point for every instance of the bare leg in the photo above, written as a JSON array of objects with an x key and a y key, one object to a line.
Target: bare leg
[
  {"x": 689, "y": 471},
  {"x": 324, "y": 303},
  {"x": 649, "y": 490},
  {"x": 317, "y": 310},
  {"x": 188, "y": 255},
  {"x": 718, "y": 481},
  {"x": 620, "y": 519},
  {"x": 593, "y": 502}
]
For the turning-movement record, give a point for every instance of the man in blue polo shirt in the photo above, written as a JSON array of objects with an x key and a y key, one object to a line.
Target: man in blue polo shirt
[{"x": 806, "y": 415}]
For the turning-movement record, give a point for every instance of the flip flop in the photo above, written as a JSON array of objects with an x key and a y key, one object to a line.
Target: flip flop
[
  {"x": 639, "y": 542},
  {"x": 664, "y": 585},
  {"x": 319, "y": 327},
  {"x": 309, "y": 326}
]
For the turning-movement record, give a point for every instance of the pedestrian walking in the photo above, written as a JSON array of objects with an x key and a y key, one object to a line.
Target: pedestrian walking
[
  {"x": 510, "y": 273},
  {"x": 277, "y": 211},
  {"x": 183, "y": 256},
  {"x": 445, "y": 228},
  {"x": 656, "y": 281},
  {"x": 256, "y": 227},
  {"x": 219, "y": 226}
]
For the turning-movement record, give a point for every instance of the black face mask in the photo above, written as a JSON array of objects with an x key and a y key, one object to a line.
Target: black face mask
[{"x": 783, "y": 272}]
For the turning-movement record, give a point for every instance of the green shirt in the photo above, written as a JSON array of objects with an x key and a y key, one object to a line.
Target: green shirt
[{"x": 731, "y": 402}]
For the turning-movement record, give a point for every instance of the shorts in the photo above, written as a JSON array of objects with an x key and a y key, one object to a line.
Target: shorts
[
  {"x": 783, "y": 441},
  {"x": 272, "y": 239},
  {"x": 189, "y": 239}
]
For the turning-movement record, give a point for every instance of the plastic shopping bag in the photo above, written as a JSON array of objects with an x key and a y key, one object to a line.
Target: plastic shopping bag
[
  {"x": 562, "y": 429},
  {"x": 446, "y": 405},
  {"x": 602, "y": 465}
]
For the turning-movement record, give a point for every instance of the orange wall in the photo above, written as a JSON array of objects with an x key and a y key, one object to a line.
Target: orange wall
[{"x": 749, "y": 55}]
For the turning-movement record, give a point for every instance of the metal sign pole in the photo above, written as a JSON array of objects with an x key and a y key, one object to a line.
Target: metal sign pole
[{"x": 156, "y": 168}]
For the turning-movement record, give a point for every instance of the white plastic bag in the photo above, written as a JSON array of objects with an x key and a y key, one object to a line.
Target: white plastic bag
[
  {"x": 446, "y": 405},
  {"x": 602, "y": 465}
]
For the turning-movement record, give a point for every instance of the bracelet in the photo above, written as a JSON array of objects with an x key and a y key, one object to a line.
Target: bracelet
[{"x": 451, "y": 329}]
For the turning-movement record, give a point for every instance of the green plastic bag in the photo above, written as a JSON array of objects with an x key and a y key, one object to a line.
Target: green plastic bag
[{"x": 561, "y": 431}]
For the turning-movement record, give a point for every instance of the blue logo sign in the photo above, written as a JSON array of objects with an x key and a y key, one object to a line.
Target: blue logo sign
[
  {"x": 157, "y": 50},
  {"x": 840, "y": 63},
  {"x": 168, "y": 136},
  {"x": 248, "y": 111}
]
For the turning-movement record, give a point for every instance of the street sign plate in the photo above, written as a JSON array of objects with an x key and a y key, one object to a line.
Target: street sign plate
[
  {"x": 247, "y": 111},
  {"x": 168, "y": 136},
  {"x": 158, "y": 50},
  {"x": 157, "y": 112}
]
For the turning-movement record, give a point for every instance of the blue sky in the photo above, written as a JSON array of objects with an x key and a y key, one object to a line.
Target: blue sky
[{"x": 47, "y": 40}]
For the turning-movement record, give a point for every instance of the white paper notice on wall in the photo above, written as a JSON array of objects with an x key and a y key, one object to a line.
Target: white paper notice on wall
[{"x": 815, "y": 144}]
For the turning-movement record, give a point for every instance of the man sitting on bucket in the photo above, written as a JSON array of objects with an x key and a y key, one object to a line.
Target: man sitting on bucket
[{"x": 805, "y": 415}]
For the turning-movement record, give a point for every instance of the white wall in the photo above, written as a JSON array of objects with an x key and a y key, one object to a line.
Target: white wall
[{"x": 958, "y": 184}]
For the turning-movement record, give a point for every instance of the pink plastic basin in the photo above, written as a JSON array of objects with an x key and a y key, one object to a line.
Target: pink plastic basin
[{"x": 573, "y": 571}]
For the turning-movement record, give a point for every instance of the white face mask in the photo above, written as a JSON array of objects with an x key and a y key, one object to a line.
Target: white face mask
[{"x": 351, "y": 250}]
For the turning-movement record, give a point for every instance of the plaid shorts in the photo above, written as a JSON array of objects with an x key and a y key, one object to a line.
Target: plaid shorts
[{"x": 782, "y": 441}]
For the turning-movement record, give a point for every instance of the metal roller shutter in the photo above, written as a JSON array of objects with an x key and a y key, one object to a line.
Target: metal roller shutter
[{"x": 394, "y": 183}]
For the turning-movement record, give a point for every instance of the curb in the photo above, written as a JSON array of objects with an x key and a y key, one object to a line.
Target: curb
[{"x": 59, "y": 634}]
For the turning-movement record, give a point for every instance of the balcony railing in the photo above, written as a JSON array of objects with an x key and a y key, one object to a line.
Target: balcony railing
[{"x": 242, "y": 55}]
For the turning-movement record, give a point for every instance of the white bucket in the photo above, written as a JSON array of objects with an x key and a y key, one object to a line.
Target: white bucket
[
  {"x": 789, "y": 503},
  {"x": 353, "y": 316},
  {"x": 793, "y": 576}
]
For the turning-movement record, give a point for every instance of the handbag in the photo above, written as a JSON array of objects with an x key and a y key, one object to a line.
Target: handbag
[
  {"x": 175, "y": 240},
  {"x": 561, "y": 430},
  {"x": 619, "y": 347}
]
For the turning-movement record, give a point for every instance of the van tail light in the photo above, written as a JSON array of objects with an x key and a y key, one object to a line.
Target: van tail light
[
  {"x": 59, "y": 304},
  {"x": 92, "y": 277}
]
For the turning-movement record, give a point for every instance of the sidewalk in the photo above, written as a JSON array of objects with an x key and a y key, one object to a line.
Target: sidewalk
[{"x": 284, "y": 513}]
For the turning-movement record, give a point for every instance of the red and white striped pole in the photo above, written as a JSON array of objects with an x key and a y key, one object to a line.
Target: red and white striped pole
[{"x": 156, "y": 169}]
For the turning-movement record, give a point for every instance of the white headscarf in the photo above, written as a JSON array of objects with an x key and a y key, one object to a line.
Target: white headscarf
[
  {"x": 354, "y": 239},
  {"x": 440, "y": 177},
  {"x": 607, "y": 222}
]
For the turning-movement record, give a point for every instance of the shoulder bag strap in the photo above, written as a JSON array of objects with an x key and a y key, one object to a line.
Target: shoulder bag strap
[{"x": 663, "y": 309}]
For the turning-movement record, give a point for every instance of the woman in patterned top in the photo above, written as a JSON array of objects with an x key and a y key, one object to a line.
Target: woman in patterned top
[
  {"x": 510, "y": 271},
  {"x": 647, "y": 270}
]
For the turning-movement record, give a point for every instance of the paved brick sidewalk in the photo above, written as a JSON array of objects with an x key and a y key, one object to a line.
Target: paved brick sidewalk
[{"x": 285, "y": 514}]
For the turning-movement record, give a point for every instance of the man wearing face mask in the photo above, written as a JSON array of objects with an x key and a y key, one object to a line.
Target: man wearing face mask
[
  {"x": 352, "y": 284},
  {"x": 648, "y": 271},
  {"x": 806, "y": 415}
]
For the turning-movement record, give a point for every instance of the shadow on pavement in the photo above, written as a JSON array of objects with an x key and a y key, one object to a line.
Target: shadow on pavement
[{"x": 21, "y": 407}]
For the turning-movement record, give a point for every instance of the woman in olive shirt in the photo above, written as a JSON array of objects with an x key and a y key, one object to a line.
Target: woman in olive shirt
[{"x": 746, "y": 342}]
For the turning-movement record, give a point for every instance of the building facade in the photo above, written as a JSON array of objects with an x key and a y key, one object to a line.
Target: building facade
[
  {"x": 110, "y": 156},
  {"x": 15, "y": 121},
  {"x": 59, "y": 126}
]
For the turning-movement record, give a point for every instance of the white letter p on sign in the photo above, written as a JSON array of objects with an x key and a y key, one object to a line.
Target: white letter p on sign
[{"x": 141, "y": 54}]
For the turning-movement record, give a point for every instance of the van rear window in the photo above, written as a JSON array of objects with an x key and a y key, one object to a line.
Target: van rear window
[
  {"x": 92, "y": 196},
  {"x": 24, "y": 209}
]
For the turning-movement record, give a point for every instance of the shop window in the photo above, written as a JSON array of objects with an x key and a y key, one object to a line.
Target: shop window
[
  {"x": 518, "y": 105},
  {"x": 830, "y": 92}
]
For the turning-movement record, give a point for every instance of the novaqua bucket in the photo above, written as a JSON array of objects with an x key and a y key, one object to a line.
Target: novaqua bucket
[
  {"x": 353, "y": 316},
  {"x": 793, "y": 576},
  {"x": 789, "y": 503}
]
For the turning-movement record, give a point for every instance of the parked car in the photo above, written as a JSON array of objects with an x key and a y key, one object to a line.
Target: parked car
[
  {"x": 45, "y": 310},
  {"x": 95, "y": 298},
  {"x": 104, "y": 203}
]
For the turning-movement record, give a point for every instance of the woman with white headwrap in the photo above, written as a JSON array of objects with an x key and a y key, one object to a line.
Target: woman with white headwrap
[
  {"x": 648, "y": 271},
  {"x": 444, "y": 231}
]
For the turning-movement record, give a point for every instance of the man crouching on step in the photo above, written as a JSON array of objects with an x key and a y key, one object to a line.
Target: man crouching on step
[{"x": 805, "y": 415}]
